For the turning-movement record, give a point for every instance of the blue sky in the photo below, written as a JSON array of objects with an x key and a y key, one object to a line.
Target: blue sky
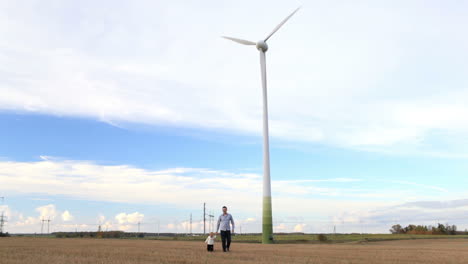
[{"x": 121, "y": 112}]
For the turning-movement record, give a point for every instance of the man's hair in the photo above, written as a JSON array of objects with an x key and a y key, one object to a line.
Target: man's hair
[{"x": 224, "y": 207}]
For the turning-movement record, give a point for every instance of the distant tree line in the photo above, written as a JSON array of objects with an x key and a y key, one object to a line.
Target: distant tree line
[
  {"x": 108, "y": 234},
  {"x": 119, "y": 234},
  {"x": 440, "y": 229}
]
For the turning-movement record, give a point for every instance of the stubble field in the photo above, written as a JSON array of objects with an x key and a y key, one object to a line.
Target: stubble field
[{"x": 26, "y": 250}]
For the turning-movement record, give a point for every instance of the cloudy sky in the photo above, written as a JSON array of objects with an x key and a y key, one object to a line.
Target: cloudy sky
[{"x": 120, "y": 112}]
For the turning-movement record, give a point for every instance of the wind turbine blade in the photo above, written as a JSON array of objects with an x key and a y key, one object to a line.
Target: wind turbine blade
[
  {"x": 241, "y": 41},
  {"x": 281, "y": 24}
]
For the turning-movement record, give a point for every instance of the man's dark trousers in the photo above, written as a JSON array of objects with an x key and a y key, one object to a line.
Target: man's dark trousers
[{"x": 226, "y": 239}]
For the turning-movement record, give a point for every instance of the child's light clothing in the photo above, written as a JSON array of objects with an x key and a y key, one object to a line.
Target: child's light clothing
[
  {"x": 210, "y": 243},
  {"x": 210, "y": 240}
]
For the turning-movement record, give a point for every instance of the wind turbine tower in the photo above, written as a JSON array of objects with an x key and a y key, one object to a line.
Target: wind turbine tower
[{"x": 261, "y": 45}]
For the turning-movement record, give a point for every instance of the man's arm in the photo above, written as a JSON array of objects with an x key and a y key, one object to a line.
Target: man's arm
[
  {"x": 232, "y": 223},
  {"x": 219, "y": 222}
]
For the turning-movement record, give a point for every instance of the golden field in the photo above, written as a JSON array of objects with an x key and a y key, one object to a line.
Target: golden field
[{"x": 29, "y": 250}]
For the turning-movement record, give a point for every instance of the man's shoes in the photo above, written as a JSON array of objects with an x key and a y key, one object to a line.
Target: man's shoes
[{"x": 227, "y": 249}]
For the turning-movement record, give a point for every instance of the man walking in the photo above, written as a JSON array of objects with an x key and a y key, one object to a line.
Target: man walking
[{"x": 224, "y": 222}]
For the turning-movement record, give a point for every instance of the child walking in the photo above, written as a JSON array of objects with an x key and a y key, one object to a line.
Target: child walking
[{"x": 210, "y": 241}]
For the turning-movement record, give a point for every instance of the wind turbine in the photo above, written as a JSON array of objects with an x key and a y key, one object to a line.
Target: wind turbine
[{"x": 267, "y": 221}]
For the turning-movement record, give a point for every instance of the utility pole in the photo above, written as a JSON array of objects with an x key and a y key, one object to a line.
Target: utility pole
[
  {"x": 48, "y": 223},
  {"x": 158, "y": 227},
  {"x": 190, "y": 223},
  {"x": 2, "y": 217},
  {"x": 138, "y": 227},
  {"x": 2, "y": 222},
  {"x": 204, "y": 218},
  {"x": 209, "y": 222},
  {"x": 42, "y": 226},
  {"x": 211, "y": 216}
]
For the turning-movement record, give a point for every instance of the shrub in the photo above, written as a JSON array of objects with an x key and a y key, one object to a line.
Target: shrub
[{"x": 322, "y": 237}]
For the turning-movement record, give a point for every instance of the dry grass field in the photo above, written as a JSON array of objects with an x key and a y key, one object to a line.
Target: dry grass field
[{"x": 26, "y": 250}]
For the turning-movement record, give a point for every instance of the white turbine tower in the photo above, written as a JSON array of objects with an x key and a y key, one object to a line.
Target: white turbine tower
[{"x": 267, "y": 223}]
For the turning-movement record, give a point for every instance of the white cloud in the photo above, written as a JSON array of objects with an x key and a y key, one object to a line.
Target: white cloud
[
  {"x": 101, "y": 218},
  {"x": 346, "y": 205},
  {"x": 66, "y": 216},
  {"x": 423, "y": 212},
  {"x": 280, "y": 228},
  {"x": 336, "y": 86},
  {"x": 28, "y": 222},
  {"x": 299, "y": 227},
  {"x": 18, "y": 222},
  {"x": 133, "y": 218},
  {"x": 47, "y": 212},
  {"x": 422, "y": 185},
  {"x": 250, "y": 219},
  {"x": 107, "y": 225},
  {"x": 322, "y": 180},
  {"x": 6, "y": 211},
  {"x": 123, "y": 183}
]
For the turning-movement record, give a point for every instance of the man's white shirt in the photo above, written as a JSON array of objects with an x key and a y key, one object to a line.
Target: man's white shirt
[{"x": 223, "y": 222}]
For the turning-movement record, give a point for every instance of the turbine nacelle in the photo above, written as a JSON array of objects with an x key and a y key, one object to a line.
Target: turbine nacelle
[{"x": 261, "y": 45}]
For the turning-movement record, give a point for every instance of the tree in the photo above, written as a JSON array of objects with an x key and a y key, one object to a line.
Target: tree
[
  {"x": 425, "y": 230},
  {"x": 396, "y": 229},
  {"x": 441, "y": 228}
]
